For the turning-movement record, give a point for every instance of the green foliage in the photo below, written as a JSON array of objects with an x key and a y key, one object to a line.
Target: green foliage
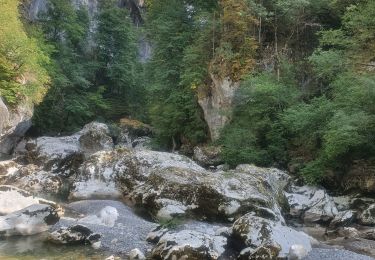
[
  {"x": 254, "y": 134},
  {"x": 22, "y": 58},
  {"x": 174, "y": 111}
]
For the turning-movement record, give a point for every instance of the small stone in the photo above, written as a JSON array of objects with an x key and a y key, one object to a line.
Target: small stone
[
  {"x": 297, "y": 252},
  {"x": 136, "y": 254},
  {"x": 96, "y": 245}
]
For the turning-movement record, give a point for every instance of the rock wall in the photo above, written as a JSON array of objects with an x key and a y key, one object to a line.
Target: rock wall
[
  {"x": 217, "y": 104},
  {"x": 14, "y": 123}
]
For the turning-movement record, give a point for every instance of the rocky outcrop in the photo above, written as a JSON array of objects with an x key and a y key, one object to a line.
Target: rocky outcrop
[
  {"x": 217, "y": 103},
  {"x": 14, "y": 123},
  {"x": 29, "y": 221},
  {"x": 95, "y": 137}
]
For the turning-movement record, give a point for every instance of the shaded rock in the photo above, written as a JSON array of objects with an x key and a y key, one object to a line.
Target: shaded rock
[
  {"x": 95, "y": 137},
  {"x": 76, "y": 234},
  {"x": 343, "y": 218},
  {"x": 262, "y": 236},
  {"x": 14, "y": 123},
  {"x": 207, "y": 155},
  {"x": 13, "y": 199},
  {"x": 133, "y": 134},
  {"x": 368, "y": 216},
  {"x": 29, "y": 221},
  {"x": 348, "y": 232},
  {"x": 311, "y": 204},
  {"x": 368, "y": 234},
  {"x": 129, "y": 230}
]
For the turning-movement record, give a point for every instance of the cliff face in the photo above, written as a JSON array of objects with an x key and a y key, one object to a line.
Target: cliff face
[
  {"x": 217, "y": 104},
  {"x": 14, "y": 123}
]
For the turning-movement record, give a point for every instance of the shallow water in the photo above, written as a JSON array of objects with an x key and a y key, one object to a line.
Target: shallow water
[{"x": 34, "y": 247}]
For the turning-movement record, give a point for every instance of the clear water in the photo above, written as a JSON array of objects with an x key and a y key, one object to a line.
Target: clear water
[{"x": 34, "y": 248}]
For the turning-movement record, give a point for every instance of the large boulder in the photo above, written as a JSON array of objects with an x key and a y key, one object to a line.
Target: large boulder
[
  {"x": 14, "y": 123},
  {"x": 28, "y": 221},
  {"x": 133, "y": 134},
  {"x": 311, "y": 204},
  {"x": 213, "y": 195},
  {"x": 266, "y": 238}
]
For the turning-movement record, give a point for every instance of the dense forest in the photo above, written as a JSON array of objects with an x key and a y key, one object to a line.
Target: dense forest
[{"x": 306, "y": 100}]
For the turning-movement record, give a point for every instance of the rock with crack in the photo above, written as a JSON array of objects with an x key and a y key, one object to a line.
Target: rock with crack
[
  {"x": 13, "y": 199},
  {"x": 29, "y": 221},
  {"x": 311, "y": 204},
  {"x": 264, "y": 237},
  {"x": 368, "y": 216},
  {"x": 76, "y": 234}
]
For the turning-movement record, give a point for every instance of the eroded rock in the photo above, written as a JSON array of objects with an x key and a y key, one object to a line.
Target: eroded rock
[
  {"x": 368, "y": 216},
  {"x": 76, "y": 234}
]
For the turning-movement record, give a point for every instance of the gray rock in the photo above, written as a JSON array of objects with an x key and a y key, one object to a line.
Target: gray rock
[
  {"x": 368, "y": 216},
  {"x": 311, "y": 204},
  {"x": 29, "y": 221},
  {"x": 267, "y": 237},
  {"x": 76, "y": 234}
]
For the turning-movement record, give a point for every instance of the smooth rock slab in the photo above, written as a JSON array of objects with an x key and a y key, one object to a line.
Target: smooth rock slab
[
  {"x": 13, "y": 199},
  {"x": 129, "y": 230},
  {"x": 29, "y": 221}
]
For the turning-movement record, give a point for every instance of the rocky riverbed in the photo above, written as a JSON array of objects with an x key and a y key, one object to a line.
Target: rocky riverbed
[{"x": 93, "y": 195}]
